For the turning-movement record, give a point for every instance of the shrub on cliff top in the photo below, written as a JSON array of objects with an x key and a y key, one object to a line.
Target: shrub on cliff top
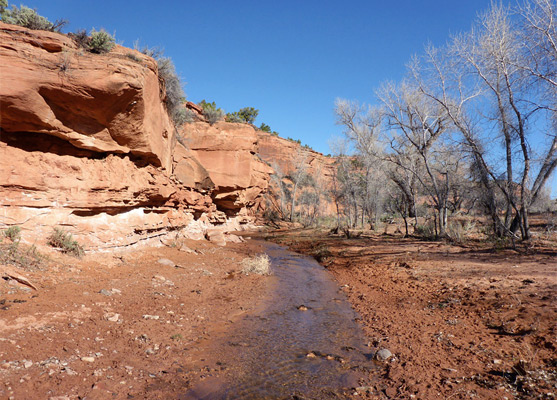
[
  {"x": 175, "y": 95},
  {"x": 211, "y": 112},
  {"x": 100, "y": 42},
  {"x": 28, "y": 18},
  {"x": 245, "y": 115}
]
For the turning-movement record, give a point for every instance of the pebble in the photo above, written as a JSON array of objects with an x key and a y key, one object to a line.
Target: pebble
[
  {"x": 302, "y": 308},
  {"x": 88, "y": 359},
  {"x": 27, "y": 364},
  {"x": 383, "y": 355},
  {"x": 147, "y": 316},
  {"x": 167, "y": 262},
  {"x": 112, "y": 317},
  {"x": 364, "y": 389},
  {"x": 186, "y": 249},
  {"x": 105, "y": 292}
]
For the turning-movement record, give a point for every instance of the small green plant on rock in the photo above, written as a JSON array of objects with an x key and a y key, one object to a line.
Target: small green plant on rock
[
  {"x": 13, "y": 233},
  {"x": 65, "y": 242}
]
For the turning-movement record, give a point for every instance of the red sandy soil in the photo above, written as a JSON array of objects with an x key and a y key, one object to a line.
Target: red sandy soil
[
  {"x": 462, "y": 321},
  {"x": 67, "y": 340}
]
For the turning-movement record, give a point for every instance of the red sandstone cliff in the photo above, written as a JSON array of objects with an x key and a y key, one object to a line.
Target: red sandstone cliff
[
  {"x": 86, "y": 143},
  {"x": 286, "y": 156}
]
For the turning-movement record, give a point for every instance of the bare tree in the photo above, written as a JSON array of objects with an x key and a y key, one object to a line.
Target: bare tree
[{"x": 483, "y": 82}]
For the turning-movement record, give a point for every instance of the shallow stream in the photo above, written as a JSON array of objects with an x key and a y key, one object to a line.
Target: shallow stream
[{"x": 302, "y": 342}]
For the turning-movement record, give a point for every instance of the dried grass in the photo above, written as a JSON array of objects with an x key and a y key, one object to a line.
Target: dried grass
[{"x": 259, "y": 264}]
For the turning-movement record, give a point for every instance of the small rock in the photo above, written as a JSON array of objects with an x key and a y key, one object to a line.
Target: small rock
[
  {"x": 216, "y": 236},
  {"x": 88, "y": 359},
  {"x": 364, "y": 389},
  {"x": 149, "y": 351},
  {"x": 27, "y": 364},
  {"x": 186, "y": 249},
  {"x": 167, "y": 262},
  {"x": 311, "y": 354},
  {"x": 112, "y": 317},
  {"x": 116, "y": 291},
  {"x": 302, "y": 308},
  {"x": 105, "y": 292},
  {"x": 383, "y": 355},
  {"x": 497, "y": 361},
  {"x": 147, "y": 316}
]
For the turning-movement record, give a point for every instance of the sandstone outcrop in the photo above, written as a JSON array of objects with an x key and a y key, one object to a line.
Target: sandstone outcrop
[
  {"x": 228, "y": 153},
  {"x": 285, "y": 156},
  {"x": 86, "y": 143}
]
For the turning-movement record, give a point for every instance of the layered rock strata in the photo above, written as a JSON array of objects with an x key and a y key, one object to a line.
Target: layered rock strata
[{"x": 86, "y": 143}]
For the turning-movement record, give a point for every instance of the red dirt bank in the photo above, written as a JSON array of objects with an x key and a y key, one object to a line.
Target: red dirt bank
[
  {"x": 115, "y": 325},
  {"x": 462, "y": 322}
]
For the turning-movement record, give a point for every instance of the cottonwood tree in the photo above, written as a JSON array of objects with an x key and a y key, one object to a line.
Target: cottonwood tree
[
  {"x": 484, "y": 80},
  {"x": 416, "y": 129},
  {"x": 299, "y": 178},
  {"x": 362, "y": 175}
]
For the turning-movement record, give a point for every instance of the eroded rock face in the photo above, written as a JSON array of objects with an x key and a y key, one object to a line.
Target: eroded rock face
[
  {"x": 86, "y": 144},
  {"x": 285, "y": 156},
  {"x": 228, "y": 153},
  {"x": 104, "y": 103}
]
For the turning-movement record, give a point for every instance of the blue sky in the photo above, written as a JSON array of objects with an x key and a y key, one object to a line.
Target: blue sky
[{"x": 289, "y": 59}]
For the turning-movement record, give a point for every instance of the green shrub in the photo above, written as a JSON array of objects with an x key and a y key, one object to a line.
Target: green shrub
[
  {"x": 214, "y": 115},
  {"x": 100, "y": 42},
  {"x": 13, "y": 233},
  {"x": 426, "y": 231},
  {"x": 211, "y": 112},
  {"x": 233, "y": 117},
  {"x": 28, "y": 18},
  {"x": 265, "y": 128},
  {"x": 65, "y": 242},
  {"x": 245, "y": 115}
]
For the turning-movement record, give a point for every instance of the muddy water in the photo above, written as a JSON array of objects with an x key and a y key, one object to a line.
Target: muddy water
[{"x": 302, "y": 342}]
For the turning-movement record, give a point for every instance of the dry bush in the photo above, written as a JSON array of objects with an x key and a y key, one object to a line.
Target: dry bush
[
  {"x": 65, "y": 242},
  {"x": 259, "y": 264}
]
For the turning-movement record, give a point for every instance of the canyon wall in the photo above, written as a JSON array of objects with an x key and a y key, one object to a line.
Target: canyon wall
[
  {"x": 86, "y": 144},
  {"x": 286, "y": 156}
]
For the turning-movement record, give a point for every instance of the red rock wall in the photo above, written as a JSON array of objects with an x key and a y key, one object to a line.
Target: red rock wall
[
  {"x": 228, "y": 153},
  {"x": 86, "y": 144},
  {"x": 285, "y": 154}
]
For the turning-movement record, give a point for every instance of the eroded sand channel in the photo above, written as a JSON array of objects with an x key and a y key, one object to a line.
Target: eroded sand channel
[{"x": 302, "y": 340}]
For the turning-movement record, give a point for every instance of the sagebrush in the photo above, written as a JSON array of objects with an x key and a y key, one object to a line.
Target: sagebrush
[
  {"x": 65, "y": 242},
  {"x": 100, "y": 42},
  {"x": 28, "y": 18},
  {"x": 13, "y": 233}
]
